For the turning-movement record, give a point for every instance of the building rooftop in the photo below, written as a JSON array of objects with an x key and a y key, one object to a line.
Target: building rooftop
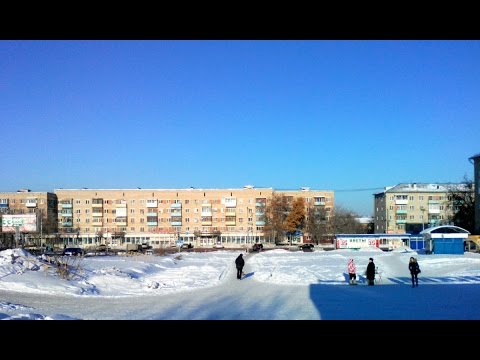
[{"x": 419, "y": 187}]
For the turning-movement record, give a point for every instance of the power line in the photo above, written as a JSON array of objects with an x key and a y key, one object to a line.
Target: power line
[{"x": 355, "y": 190}]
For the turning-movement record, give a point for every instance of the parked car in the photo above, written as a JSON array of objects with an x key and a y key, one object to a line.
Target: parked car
[
  {"x": 186, "y": 246},
  {"x": 102, "y": 248},
  {"x": 72, "y": 252},
  {"x": 307, "y": 247},
  {"x": 257, "y": 247},
  {"x": 218, "y": 245}
]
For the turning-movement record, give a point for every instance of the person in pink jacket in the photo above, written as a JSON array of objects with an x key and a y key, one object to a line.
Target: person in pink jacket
[{"x": 352, "y": 272}]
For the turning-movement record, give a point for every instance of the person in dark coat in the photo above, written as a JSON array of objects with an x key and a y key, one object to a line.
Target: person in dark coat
[
  {"x": 371, "y": 272},
  {"x": 239, "y": 263},
  {"x": 414, "y": 270}
]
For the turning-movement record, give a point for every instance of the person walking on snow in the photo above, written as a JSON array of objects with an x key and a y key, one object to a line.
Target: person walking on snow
[
  {"x": 239, "y": 263},
  {"x": 370, "y": 272},
  {"x": 414, "y": 270},
  {"x": 352, "y": 271}
]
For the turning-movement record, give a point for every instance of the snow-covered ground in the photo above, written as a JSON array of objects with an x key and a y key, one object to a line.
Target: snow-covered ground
[{"x": 278, "y": 285}]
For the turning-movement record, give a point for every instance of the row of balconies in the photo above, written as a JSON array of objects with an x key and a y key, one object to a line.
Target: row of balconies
[{"x": 430, "y": 211}]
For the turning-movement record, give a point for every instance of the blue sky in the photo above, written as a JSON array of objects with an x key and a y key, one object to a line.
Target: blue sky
[{"x": 333, "y": 115}]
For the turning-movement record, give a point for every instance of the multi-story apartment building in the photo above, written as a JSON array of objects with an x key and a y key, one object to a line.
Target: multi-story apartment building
[
  {"x": 475, "y": 160},
  {"x": 164, "y": 217},
  {"x": 42, "y": 204},
  {"x": 410, "y": 208}
]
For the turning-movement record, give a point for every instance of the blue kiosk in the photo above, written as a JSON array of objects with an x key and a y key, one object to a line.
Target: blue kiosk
[{"x": 445, "y": 239}]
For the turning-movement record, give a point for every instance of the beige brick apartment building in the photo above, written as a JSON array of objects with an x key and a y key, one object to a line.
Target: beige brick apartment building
[
  {"x": 409, "y": 208},
  {"x": 166, "y": 217},
  {"x": 42, "y": 204}
]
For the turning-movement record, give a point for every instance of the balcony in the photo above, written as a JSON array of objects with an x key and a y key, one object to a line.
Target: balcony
[
  {"x": 231, "y": 204},
  {"x": 259, "y": 223},
  {"x": 401, "y": 201},
  {"x": 207, "y": 213},
  {"x": 151, "y": 213},
  {"x": 176, "y": 206},
  {"x": 230, "y": 223},
  {"x": 400, "y": 211},
  {"x": 97, "y": 214},
  {"x": 31, "y": 203},
  {"x": 318, "y": 203},
  {"x": 149, "y": 223},
  {"x": 179, "y": 223},
  {"x": 206, "y": 223},
  {"x": 67, "y": 224},
  {"x": 66, "y": 206},
  {"x": 401, "y": 221},
  {"x": 152, "y": 203}
]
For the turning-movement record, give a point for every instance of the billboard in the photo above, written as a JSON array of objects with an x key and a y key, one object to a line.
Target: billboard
[{"x": 25, "y": 223}]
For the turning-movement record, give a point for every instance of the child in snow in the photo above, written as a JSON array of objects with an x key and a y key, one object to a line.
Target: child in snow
[{"x": 352, "y": 271}]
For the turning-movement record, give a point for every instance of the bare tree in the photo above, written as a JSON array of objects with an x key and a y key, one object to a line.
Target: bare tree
[
  {"x": 461, "y": 203},
  {"x": 344, "y": 221},
  {"x": 317, "y": 224}
]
